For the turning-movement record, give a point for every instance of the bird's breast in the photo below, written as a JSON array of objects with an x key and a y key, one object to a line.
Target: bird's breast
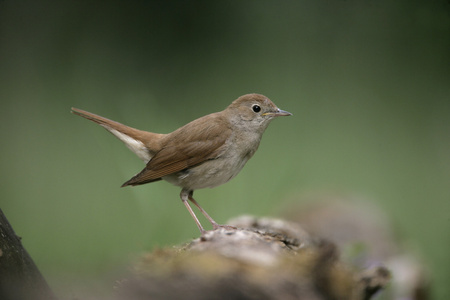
[
  {"x": 214, "y": 172},
  {"x": 209, "y": 174}
]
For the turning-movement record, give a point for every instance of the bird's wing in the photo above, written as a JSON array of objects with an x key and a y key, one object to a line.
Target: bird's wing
[{"x": 192, "y": 144}]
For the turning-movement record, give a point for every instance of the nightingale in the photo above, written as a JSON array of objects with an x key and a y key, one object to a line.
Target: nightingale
[{"x": 204, "y": 153}]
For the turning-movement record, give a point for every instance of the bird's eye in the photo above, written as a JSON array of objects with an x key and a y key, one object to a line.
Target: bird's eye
[{"x": 256, "y": 108}]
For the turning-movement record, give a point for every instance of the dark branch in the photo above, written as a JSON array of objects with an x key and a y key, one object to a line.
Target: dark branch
[{"x": 19, "y": 276}]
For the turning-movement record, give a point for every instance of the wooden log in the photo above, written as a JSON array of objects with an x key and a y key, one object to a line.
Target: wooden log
[
  {"x": 19, "y": 276},
  {"x": 263, "y": 259}
]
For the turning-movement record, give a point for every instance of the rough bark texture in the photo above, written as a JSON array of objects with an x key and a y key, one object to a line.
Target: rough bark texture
[
  {"x": 19, "y": 276},
  {"x": 263, "y": 259}
]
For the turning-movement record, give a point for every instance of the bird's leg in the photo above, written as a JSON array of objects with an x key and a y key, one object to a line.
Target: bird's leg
[
  {"x": 186, "y": 195},
  {"x": 213, "y": 223}
]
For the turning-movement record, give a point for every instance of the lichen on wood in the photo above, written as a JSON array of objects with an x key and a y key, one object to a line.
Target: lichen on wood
[{"x": 261, "y": 259}]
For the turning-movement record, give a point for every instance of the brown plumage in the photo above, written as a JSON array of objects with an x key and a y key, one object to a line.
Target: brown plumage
[
  {"x": 185, "y": 148},
  {"x": 206, "y": 152}
]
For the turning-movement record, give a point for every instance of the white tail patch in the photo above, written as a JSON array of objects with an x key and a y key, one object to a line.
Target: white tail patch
[{"x": 137, "y": 147}]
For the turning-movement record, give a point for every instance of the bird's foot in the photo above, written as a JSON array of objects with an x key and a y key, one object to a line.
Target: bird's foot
[
  {"x": 207, "y": 234},
  {"x": 226, "y": 227}
]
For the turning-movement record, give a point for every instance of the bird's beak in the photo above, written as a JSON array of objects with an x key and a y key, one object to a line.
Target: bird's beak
[{"x": 278, "y": 113}]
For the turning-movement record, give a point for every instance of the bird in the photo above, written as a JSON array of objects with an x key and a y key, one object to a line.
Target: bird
[{"x": 204, "y": 153}]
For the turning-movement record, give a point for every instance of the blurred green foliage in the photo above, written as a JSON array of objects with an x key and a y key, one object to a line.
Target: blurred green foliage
[{"x": 368, "y": 83}]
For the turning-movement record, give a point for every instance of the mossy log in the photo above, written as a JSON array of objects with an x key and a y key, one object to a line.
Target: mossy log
[{"x": 261, "y": 259}]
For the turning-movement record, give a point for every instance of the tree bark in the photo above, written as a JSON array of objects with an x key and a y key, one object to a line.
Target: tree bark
[
  {"x": 19, "y": 276},
  {"x": 262, "y": 259}
]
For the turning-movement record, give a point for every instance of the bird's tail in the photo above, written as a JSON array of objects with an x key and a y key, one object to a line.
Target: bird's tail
[{"x": 144, "y": 144}]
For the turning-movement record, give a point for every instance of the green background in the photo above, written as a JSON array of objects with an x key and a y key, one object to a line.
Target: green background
[{"x": 368, "y": 83}]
